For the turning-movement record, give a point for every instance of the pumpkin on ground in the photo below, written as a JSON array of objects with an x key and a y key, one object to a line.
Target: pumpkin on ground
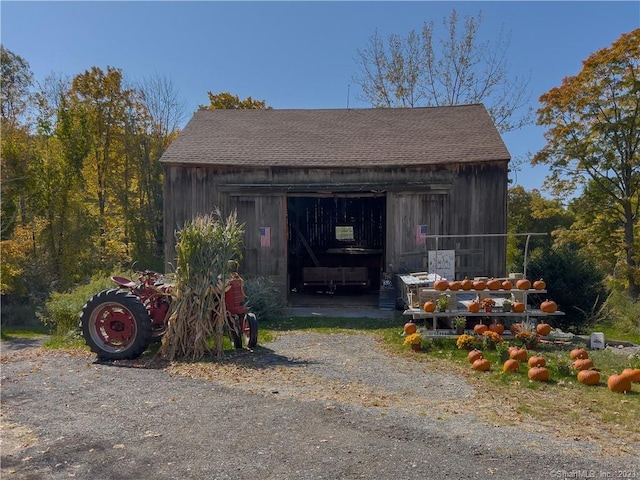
[
  {"x": 632, "y": 373},
  {"x": 507, "y": 285},
  {"x": 582, "y": 364},
  {"x": 539, "y": 284},
  {"x": 518, "y": 307},
  {"x": 589, "y": 377},
  {"x": 494, "y": 284},
  {"x": 466, "y": 284},
  {"x": 511, "y": 365},
  {"x": 619, "y": 383},
  {"x": 473, "y": 307},
  {"x": 474, "y": 355},
  {"x": 481, "y": 365},
  {"x": 440, "y": 285},
  {"x": 480, "y": 329},
  {"x": 523, "y": 284},
  {"x": 429, "y": 306},
  {"x": 577, "y": 353},
  {"x": 519, "y": 354},
  {"x": 497, "y": 328},
  {"x": 549, "y": 306},
  {"x": 537, "y": 361},
  {"x": 539, "y": 374},
  {"x": 543, "y": 329},
  {"x": 410, "y": 328}
]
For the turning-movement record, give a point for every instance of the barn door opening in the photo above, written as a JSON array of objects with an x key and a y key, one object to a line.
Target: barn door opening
[{"x": 336, "y": 243}]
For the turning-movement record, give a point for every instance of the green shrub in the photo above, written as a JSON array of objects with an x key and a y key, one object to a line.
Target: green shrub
[
  {"x": 62, "y": 310},
  {"x": 18, "y": 314},
  {"x": 263, "y": 298}
]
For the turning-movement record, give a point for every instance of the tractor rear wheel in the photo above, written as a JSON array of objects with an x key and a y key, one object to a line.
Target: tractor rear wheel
[{"x": 116, "y": 325}]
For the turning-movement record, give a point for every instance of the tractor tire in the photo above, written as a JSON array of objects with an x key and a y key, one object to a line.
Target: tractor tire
[{"x": 116, "y": 325}]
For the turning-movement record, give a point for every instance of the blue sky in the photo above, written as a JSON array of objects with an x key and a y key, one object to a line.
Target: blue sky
[{"x": 298, "y": 54}]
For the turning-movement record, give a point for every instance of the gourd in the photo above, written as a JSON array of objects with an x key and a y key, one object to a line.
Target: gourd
[
  {"x": 543, "y": 329},
  {"x": 482, "y": 365},
  {"x": 440, "y": 285},
  {"x": 523, "y": 284},
  {"x": 539, "y": 374},
  {"x": 507, "y": 285},
  {"x": 582, "y": 364},
  {"x": 466, "y": 284},
  {"x": 619, "y": 383},
  {"x": 493, "y": 284},
  {"x": 537, "y": 361},
  {"x": 497, "y": 328},
  {"x": 473, "y": 307},
  {"x": 632, "y": 373},
  {"x": 549, "y": 306},
  {"x": 455, "y": 285},
  {"x": 511, "y": 365},
  {"x": 539, "y": 284},
  {"x": 518, "y": 307},
  {"x": 577, "y": 353},
  {"x": 589, "y": 377},
  {"x": 480, "y": 329},
  {"x": 479, "y": 285},
  {"x": 410, "y": 328},
  {"x": 519, "y": 354},
  {"x": 429, "y": 306},
  {"x": 474, "y": 355}
]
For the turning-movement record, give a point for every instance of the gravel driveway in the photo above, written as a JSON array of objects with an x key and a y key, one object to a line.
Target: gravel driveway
[{"x": 305, "y": 406}]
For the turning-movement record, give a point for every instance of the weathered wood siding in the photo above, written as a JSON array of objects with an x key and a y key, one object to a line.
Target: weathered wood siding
[{"x": 458, "y": 199}]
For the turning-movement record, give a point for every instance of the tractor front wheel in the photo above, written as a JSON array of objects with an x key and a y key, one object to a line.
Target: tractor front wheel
[
  {"x": 245, "y": 331},
  {"x": 116, "y": 325}
]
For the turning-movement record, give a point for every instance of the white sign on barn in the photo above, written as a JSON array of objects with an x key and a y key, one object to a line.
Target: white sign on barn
[{"x": 443, "y": 262}]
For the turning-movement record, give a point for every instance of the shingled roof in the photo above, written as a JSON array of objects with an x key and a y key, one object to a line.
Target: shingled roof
[{"x": 370, "y": 138}]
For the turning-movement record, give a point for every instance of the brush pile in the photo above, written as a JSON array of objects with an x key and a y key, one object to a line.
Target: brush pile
[{"x": 206, "y": 247}]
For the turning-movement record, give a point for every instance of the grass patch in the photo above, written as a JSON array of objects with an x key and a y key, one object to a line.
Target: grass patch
[{"x": 24, "y": 331}]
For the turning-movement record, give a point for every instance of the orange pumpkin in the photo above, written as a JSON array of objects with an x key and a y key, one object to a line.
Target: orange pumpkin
[
  {"x": 497, "y": 328},
  {"x": 493, "y": 284},
  {"x": 549, "y": 306},
  {"x": 518, "y": 307},
  {"x": 589, "y": 377},
  {"x": 519, "y": 354},
  {"x": 582, "y": 364},
  {"x": 536, "y": 361},
  {"x": 429, "y": 306},
  {"x": 632, "y": 373},
  {"x": 543, "y": 329},
  {"x": 619, "y": 383},
  {"x": 479, "y": 285},
  {"x": 507, "y": 285},
  {"x": 410, "y": 328},
  {"x": 523, "y": 284},
  {"x": 474, "y": 355},
  {"x": 455, "y": 285},
  {"x": 466, "y": 284},
  {"x": 515, "y": 328},
  {"x": 440, "y": 285},
  {"x": 510, "y": 365},
  {"x": 473, "y": 307},
  {"x": 539, "y": 284},
  {"x": 577, "y": 353},
  {"x": 540, "y": 374},
  {"x": 480, "y": 329},
  {"x": 481, "y": 365}
]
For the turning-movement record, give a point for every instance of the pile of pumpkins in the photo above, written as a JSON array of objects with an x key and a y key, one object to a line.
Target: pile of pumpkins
[
  {"x": 588, "y": 375},
  {"x": 537, "y": 364}
]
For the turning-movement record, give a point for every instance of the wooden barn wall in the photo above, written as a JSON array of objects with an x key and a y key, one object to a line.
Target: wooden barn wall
[{"x": 459, "y": 199}]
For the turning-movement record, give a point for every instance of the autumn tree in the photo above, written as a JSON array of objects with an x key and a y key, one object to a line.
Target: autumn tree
[
  {"x": 226, "y": 100},
  {"x": 592, "y": 148},
  {"x": 457, "y": 68}
]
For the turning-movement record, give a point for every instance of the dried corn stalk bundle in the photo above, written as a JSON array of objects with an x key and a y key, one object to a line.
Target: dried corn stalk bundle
[{"x": 205, "y": 248}]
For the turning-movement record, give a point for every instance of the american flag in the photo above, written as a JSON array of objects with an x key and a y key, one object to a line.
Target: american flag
[
  {"x": 265, "y": 236},
  {"x": 421, "y": 234}
]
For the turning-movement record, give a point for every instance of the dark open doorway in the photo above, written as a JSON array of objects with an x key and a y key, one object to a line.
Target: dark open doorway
[{"x": 336, "y": 243}]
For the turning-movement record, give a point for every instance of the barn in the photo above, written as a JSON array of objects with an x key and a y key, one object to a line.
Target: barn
[{"x": 342, "y": 200}]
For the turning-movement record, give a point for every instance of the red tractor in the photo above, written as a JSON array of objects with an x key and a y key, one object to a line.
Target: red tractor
[{"x": 120, "y": 323}]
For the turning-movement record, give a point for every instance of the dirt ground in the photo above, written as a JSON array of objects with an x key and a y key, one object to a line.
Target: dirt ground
[{"x": 305, "y": 406}]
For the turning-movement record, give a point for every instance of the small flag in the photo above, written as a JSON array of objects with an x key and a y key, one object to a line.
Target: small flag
[
  {"x": 421, "y": 234},
  {"x": 265, "y": 236}
]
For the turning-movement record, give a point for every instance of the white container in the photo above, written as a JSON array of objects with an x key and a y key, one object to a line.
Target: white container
[{"x": 597, "y": 341}]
